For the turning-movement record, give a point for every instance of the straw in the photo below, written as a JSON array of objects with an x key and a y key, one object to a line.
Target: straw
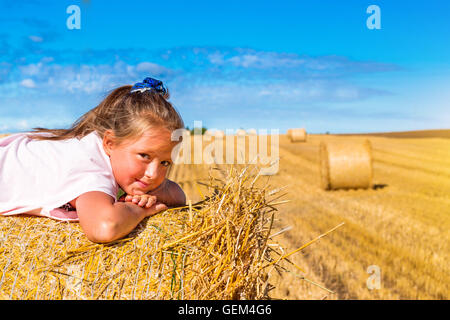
[
  {"x": 214, "y": 249},
  {"x": 346, "y": 165}
]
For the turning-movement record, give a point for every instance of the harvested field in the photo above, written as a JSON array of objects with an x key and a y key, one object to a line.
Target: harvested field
[
  {"x": 401, "y": 224},
  {"x": 437, "y": 133}
]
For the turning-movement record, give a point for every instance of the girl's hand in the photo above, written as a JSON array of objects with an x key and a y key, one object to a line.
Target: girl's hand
[
  {"x": 147, "y": 202},
  {"x": 154, "y": 209},
  {"x": 144, "y": 200}
]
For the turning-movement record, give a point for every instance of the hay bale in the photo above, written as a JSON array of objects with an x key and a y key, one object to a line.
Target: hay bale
[
  {"x": 216, "y": 249},
  {"x": 219, "y": 134},
  {"x": 346, "y": 164},
  {"x": 211, "y": 134},
  {"x": 297, "y": 135},
  {"x": 288, "y": 133}
]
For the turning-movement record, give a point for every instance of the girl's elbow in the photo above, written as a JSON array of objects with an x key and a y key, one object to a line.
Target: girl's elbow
[
  {"x": 182, "y": 199},
  {"x": 104, "y": 233},
  {"x": 177, "y": 194}
]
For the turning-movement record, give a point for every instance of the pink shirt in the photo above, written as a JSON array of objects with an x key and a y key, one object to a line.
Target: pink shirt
[{"x": 47, "y": 174}]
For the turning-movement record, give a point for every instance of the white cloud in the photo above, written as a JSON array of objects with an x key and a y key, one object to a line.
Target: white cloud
[
  {"x": 216, "y": 58},
  {"x": 28, "y": 83},
  {"x": 151, "y": 68},
  {"x": 31, "y": 69},
  {"x": 84, "y": 78},
  {"x": 263, "y": 96},
  {"x": 288, "y": 63},
  {"x": 224, "y": 81},
  {"x": 246, "y": 60},
  {"x": 192, "y": 65},
  {"x": 14, "y": 124},
  {"x": 47, "y": 59},
  {"x": 36, "y": 38},
  {"x": 5, "y": 69},
  {"x": 266, "y": 60}
]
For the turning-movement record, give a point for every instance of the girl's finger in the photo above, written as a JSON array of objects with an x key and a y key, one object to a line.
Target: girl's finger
[
  {"x": 151, "y": 201},
  {"x": 136, "y": 199},
  {"x": 143, "y": 201},
  {"x": 157, "y": 207},
  {"x": 128, "y": 198}
]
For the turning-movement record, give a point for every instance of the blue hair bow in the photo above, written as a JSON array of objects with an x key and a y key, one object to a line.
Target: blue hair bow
[{"x": 149, "y": 84}]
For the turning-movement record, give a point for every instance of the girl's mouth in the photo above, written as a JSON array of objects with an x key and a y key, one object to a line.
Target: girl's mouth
[{"x": 142, "y": 184}]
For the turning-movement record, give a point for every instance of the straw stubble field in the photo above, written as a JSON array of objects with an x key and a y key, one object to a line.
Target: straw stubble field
[{"x": 400, "y": 226}]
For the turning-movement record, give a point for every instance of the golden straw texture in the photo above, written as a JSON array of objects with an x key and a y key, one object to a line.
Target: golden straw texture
[
  {"x": 346, "y": 164},
  {"x": 215, "y": 249}
]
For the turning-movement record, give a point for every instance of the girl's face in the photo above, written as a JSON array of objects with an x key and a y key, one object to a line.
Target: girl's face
[{"x": 140, "y": 165}]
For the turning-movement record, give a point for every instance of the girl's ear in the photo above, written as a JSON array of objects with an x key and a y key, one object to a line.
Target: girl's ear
[{"x": 108, "y": 141}]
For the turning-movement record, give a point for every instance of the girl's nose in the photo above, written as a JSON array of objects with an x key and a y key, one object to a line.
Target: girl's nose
[{"x": 153, "y": 170}]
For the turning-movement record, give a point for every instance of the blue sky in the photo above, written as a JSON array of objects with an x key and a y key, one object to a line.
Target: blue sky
[{"x": 232, "y": 64}]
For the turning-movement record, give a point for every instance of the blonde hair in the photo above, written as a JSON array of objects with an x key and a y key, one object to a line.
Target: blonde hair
[{"x": 127, "y": 114}]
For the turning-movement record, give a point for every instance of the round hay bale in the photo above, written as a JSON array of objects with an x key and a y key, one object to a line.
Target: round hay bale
[
  {"x": 346, "y": 165},
  {"x": 297, "y": 135},
  {"x": 219, "y": 134},
  {"x": 213, "y": 133},
  {"x": 288, "y": 133}
]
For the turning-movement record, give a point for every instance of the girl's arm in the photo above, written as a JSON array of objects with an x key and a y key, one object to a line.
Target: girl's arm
[
  {"x": 170, "y": 193},
  {"x": 102, "y": 220}
]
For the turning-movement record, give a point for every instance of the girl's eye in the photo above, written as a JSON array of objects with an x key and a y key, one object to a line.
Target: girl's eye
[
  {"x": 165, "y": 163},
  {"x": 144, "y": 155}
]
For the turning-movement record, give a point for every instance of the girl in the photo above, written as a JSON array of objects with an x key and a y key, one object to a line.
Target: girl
[{"x": 75, "y": 174}]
